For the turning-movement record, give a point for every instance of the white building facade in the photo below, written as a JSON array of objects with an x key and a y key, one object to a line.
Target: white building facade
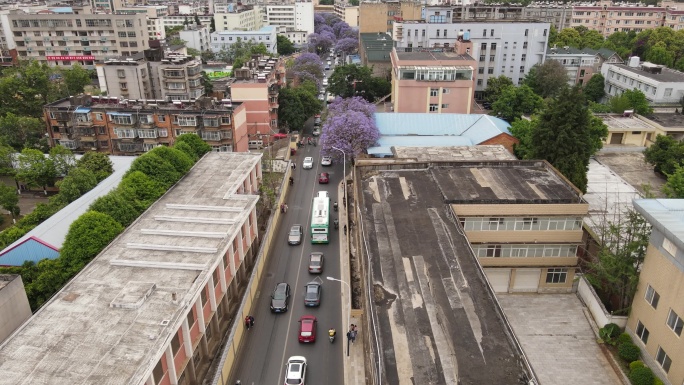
[
  {"x": 296, "y": 16},
  {"x": 224, "y": 39},
  {"x": 245, "y": 19},
  {"x": 659, "y": 84},
  {"x": 508, "y": 48},
  {"x": 196, "y": 37},
  {"x": 176, "y": 20}
]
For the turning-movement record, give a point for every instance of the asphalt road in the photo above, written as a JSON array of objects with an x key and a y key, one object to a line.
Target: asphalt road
[{"x": 261, "y": 360}]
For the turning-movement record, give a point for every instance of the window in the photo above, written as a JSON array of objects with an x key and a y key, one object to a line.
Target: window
[
  {"x": 191, "y": 318},
  {"x": 437, "y": 33},
  {"x": 490, "y": 70},
  {"x": 445, "y": 106},
  {"x": 675, "y": 323},
  {"x": 545, "y": 32},
  {"x": 558, "y": 275},
  {"x": 525, "y": 44},
  {"x": 225, "y": 120},
  {"x": 423, "y": 34},
  {"x": 668, "y": 92},
  {"x": 663, "y": 359},
  {"x": 479, "y": 82},
  {"x": 409, "y": 33},
  {"x": 642, "y": 332},
  {"x": 158, "y": 372},
  {"x": 491, "y": 32},
  {"x": 483, "y": 46},
  {"x": 175, "y": 343},
  {"x": 123, "y": 86},
  {"x": 669, "y": 246},
  {"x": 187, "y": 121},
  {"x": 484, "y": 33},
  {"x": 523, "y": 57},
  {"x": 526, "y": 32},
  {"x": 122, "y": 119},
  {"x": 446, "y": 91},
  {"x": 445, "y": 33},
  {"x": 161, "y": 118},
  {"x": 491, "y": 58},
  {"x": 494, "y": 251},
  {"x": 434, "y": 91},
  {"x": 480, "y": 70},
  {"x": 652, "y": 297},
  {"x": 522, "y": 69},
  {"x": 482, "y": 57},
  {"x": 434, "y": 107}
]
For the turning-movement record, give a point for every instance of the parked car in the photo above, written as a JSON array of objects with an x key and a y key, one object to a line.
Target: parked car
[
  {"x": 316, "y": 263},
  {"x": 280, "y": 297},
  {"x": 316, "y": 131},
  {"x": 324, "y": 178},
  {"x": 312, "y": 294},
  {"x": 326, "y": 161},
  {"x": 295, "y": 235},
  {"x": 307, "y": 328},
  {"x": 308, "y": 163},
  {"x": 279, "y": 135},
  {"x": 325, "y": 82},
  {"x": 317, "y": 120},
  {"x": 295, "y": 370}
]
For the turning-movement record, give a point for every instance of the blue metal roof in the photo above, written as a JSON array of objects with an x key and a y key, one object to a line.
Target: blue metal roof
[
  {"x": 666, "y": 215},
  {"x": 118, "y": 113},
  {"x": 424, "y": 141},
  {"x": 62, "y": 10},
  {"x": 82, "y": 110},
  {"x": 31, "y": 249},
  {"x": 476, "y": 127}
]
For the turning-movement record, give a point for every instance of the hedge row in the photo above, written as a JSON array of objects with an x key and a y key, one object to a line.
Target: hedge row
[{"x": 639, "y": 374}]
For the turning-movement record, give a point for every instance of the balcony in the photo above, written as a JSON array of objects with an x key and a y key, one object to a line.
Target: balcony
[
  {"x": 70, "y": 144},
  {"x": 174, "y": 74},
  {"x": 90, "y": 145},
  {"x": 148, "y": 133},
  {"x": 86, "y": 131},
  {"x": 128, "y": 147}
]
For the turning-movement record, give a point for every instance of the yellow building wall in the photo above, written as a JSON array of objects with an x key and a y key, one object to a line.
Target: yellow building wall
[
  {"x": 565, "y": 236},
  {"x": 668, "y": 282},
  {"x": 523, "y": 210},
  {"x": 528, "y": 261}
]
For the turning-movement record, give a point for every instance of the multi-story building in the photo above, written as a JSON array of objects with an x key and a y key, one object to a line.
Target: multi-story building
[
  {"x": 380, "y": 16},
  {"x": 240, "y": 18},
  {"x": 295, "y": 16},
  {"x": 375, "y": 50},
  {"x": 196, "y": 37},
  {"x": 74, "y": 35},
  {"x": 14, "y": 305},
  {"x": 155, "y": 23},
  {"x": 660, "y": 84},
  {"x": 152, "y": 75},
  {"x": 582, "y": 64},
  {"x": 128, "y": 127},
  {"x": 256, "y": 86},
  {"x": 657, "y": 317},
  {"x": 426, "y": 80},
  {"x": 508, "y": 48},
  {"x": 8, "y": 51},
  {"x": 175, "y": 20},
  {"x": 155, "y": 305},
  {"x": 558, "y": 15},
  {"x": 224, "y": 39},
  {"x": 607, "y": 18},
  {"x": 674, "y": 15},
  {"x": 525, "y": 239},
  {"x": 347, "y": 12}
]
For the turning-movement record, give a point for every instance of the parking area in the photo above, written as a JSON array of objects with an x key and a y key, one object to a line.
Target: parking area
[{"x": 557, "y": 338}]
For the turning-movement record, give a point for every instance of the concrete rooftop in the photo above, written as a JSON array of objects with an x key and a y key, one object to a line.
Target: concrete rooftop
[
  {"x": 469, "y": 153},
  {"x": 111, "y": 322},
  {"x": 620, "y": 123}
]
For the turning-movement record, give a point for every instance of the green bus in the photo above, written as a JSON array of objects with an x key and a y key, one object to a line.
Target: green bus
[{"x": 320, "y": 219}]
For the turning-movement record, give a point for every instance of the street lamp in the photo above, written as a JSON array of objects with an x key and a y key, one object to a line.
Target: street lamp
[
  {"x": 344, "y": 174},
  {"x": 349, "y": 312}
]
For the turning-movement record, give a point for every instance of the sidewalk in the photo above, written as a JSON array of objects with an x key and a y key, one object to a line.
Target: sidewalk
[{"x": 354, "y": 368}]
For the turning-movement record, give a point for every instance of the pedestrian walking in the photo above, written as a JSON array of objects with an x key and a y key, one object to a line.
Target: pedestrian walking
[
  {"x": 293, "y": 165},
  {"x": 353, "y": 335}
]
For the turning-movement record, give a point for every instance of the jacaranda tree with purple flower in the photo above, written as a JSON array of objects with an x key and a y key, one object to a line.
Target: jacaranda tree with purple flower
[
  {"x": 347, "y": 45},
  {"x": 308, "y": 66},
  {"x": 350, "y": 126}
]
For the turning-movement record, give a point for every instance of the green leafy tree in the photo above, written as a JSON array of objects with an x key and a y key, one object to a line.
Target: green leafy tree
[
  {"x": 598, "y": 108},
  {"x": 51, "y": 275},
  {"x": 175, "y": 41},
  {"x": 20, "y": 132},
  {"x": 659, "y": 54},
  {"x": 96, "y": 162},
  {"x": 197, "y": 20},
  {"x": 73, "y": 186},
  {"x": 75, "y": 79},
  {"x": 631, "y": 100},
  {"x": 9, "y": 200},
  {"x": 25, "y": 89},
  {"x": 140, "y": 189},
  {"x": 665, "y": 154},
  {"x": 620, "y": 42},
  {"x": 118, "y": 206},
  {"x": 199, "y": 146},
  {"x": 285, "y": 45},
  {"x": 157, "y": 168},
  {"x": 354, "y": 80},
  {"x": 615, "y": 270},
  {"x": 547, "y": 79},
  {"x": 562, "y": 135},
  {"x": 207, "y": 56},
  {"x": 193, "y": 52},
  {"x": 87, "y": 236},
  {"x": 207, "y": 84},
  {"x": 569, "y": 37},
  {"x": 295, "y": 106},
  {"x": 212, "y": 26},
  {"x": 516, "y": 101},
  {"x": 35, "y": 169},
  {"x": 521, "y": 129},
  {"x": 495, "y": 87},
  {"x": 592, "y": 39},
  {"x": 177, "y": 158},
  {"x": 63, "y": 160},
  {"x": 7, "y": 160},
  {"x": 598, "y": 132},
  {"x": 594, "y": 90},
  {"x": 674, "y": 187},
  {"x": 182, "y": 146}
]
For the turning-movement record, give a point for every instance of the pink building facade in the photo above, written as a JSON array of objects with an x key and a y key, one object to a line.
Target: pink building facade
[
  {"x": 608, "y": 19},
  {"x": 434, "y": 80}
]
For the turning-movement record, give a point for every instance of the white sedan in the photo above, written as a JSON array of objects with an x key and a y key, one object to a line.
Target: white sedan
[
  {"x": 308, "y": 163},
  {"x": 326, "y": 161}
]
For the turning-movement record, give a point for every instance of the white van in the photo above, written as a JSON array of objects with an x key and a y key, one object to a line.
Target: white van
[{"x": 256, "y": 144}]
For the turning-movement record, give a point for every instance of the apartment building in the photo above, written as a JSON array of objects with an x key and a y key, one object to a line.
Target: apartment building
[
  {"x": 256, "y": 85},
  {"x": 8, "y": 51},
  {"x": 347, "y": 12},
  {"x": 674, "y": 15},
  {"x": 155, "y": 305},
  {"x": 380, "y": 16},
  {"x": 14, "y": 304},
  {"x": 130, "y": 127},
  {"x": 660, "y": 84},
  {"x": 266, "y": 35},
  {"x": 155, "y": 14},
  {"x": 74, "y": 35},
  {"x": 526, "y": 237},
  {"x": 558, "y": 15},
  {"x": 239, "y": 17},
  {"x": 655, "y": 321},
  {"x": 175, "y": 20},
  {"x": 295, "y": 16},
  {"x": 425, "y": 80},
  {"x": 508, "y": 48},
  {"x": 582, "y": 64},
  {"x": 152, "y": 75},
  {"x": 196, "y": 37},
  {"x": 607, "y": 18}
]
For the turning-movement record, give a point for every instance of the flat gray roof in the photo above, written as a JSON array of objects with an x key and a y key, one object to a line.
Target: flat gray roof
[
  {"x": 666, "y": 76},
  {"x": 670, "y": 120},
  {"x": 617, "y": 122},
  {"x": 111, "y": 323},
  {"x": 437, "y": 321},
  {"x": 469, "y": 153},
  {"x": 424, "y": 55}
]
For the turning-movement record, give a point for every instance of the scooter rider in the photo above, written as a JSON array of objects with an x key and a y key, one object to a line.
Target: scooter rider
[{"x": 332, "y": 334}]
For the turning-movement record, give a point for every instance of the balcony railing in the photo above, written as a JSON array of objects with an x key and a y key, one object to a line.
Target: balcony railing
[
  {"x": 70, "y": 144},
  {"x": 130, "y": 147}
]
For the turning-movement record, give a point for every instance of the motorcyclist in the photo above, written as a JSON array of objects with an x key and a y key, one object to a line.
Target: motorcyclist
[
  {"x": 291, "y": 180},
  {"x": 331, "y": 333},
  {"x": 335, "y": 206},
  {"x": 336, "y": 222}
]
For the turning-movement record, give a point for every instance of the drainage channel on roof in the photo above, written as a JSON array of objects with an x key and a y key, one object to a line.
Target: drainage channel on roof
[
  {"x": 148, "y": 246},
  {"x": 166, "y": 218},
  {"x": 175, "y": 233},
  {"x": 204, "y": 208}
]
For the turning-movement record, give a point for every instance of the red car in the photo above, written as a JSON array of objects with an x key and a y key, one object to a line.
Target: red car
[
  {"x": 279, "y": 136},
  {"x": 307, "y": 328},
  {"x": 324, "y": 178}
]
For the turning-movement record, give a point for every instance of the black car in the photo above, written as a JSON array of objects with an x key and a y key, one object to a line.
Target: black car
[
  {"x": 280, "y": 298},
  {"x": 312, "y": 294}
]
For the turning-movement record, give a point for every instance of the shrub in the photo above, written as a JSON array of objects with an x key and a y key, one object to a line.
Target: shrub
[
  {"x": 609, "y": 333},
  {"x": 629, "y": 352},
  {"x": 657, "y": 381},
  {"x": 157, "y": 168},
  {"x": 178, "y": 159},
  {"x": 641, "y": 376},
  {"x": 187, "y": 149},
  {"x": 624, "y": 337},
  {"x": 199, "y": 146},
  {"x": 96, "y": 162},
  {"x": 117, "y": 206},
  {"x": 636, "y": 364},
  {"x": 87, "y": 236}
]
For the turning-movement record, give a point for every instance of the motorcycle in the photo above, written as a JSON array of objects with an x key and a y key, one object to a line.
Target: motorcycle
[
  {"x": 291, "y": 181},
  {"x": 335, "y": 206},
  {"x": 331, "y": 333},
  {"x": 336, "y": 223}
]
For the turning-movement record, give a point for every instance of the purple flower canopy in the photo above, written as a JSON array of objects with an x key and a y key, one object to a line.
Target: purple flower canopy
[{"x": 350, "y": 126}]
